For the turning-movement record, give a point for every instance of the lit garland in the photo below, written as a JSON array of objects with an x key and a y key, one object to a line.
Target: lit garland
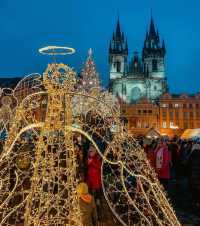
[
  {"x": 89, "y": 77},
  {"x": 49, "y": 197}
]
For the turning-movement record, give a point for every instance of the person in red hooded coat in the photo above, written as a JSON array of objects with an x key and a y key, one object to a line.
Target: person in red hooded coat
[
  {"x": 93, "y": 178},
  {"x": 162, "y": 163},
  {"x": 93, "y": 170}
]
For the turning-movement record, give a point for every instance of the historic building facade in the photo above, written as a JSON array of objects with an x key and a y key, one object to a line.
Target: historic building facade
[
  {"x": 178, "y": 113},
  {"x": 141, "y": 117},
  {"x": 142, "y": 76},
  {"x": 141, "y": 87},
  {"x": 171, "y": 115}
]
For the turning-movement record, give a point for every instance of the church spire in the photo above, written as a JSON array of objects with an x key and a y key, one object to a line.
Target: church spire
[
  {"x": 118, "y": 44},
  {"x": 152, "y": 30},
  {"x": 118, "y": 30},
  {"x": 152, "y": 40}
]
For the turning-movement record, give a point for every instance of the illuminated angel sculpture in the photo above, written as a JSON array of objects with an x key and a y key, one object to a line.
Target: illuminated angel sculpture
[
  {"x": 10, "y": 98},
  {"x": 38, "y": 165},
  {"x": 8, "y": 102}
]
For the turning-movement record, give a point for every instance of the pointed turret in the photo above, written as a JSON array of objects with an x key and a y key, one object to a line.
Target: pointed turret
[
  {"x": 118, "y": 30},
  {"x": 147, "y": 36},
  {"x": 152, "y": 42},
  {"x": 118, "y": 53},
  {"x": 163, "y": 46},
  {"x": 118, "y": 44},
  {"x": 110, "y": 46},
  {"x": 126, "y": 46},
  {"x": 152, "y": 30},
  {"x": 153, "y": 53}
]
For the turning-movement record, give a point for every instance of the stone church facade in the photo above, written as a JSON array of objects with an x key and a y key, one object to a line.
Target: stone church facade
[{"x": 141, "y": 77}]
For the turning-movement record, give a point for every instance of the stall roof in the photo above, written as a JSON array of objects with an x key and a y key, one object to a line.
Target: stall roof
[{"x": 191, "y": 134}]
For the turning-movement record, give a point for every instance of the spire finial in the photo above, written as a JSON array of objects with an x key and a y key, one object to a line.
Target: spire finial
[
  {"x": 118, "y": 30},
  {"x": 117, "y": 14},
  {"x": 152, "y": 30}
]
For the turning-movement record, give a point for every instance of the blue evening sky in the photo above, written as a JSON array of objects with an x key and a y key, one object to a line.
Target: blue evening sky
[{"x": 26, "y": 25}]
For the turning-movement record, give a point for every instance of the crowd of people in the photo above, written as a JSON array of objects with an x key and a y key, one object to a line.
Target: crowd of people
[
  {"x": 90, "y": 187},
  {"x": 174, "y": 160}
]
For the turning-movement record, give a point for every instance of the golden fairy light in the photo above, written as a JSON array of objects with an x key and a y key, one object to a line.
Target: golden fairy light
[{"x": 38, "y": 164}]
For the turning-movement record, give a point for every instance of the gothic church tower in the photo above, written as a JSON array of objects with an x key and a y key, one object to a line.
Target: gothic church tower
[
  {"x": 153, "y": 56},
  {"x": 118, "y": 53},
  {"x": 131, "y": 81}
]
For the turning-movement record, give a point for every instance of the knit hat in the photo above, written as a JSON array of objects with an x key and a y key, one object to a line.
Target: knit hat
[{"x": 82, "y": 189}]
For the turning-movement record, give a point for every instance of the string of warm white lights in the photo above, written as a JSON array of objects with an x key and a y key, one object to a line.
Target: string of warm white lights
[{"x": 38, "y": 164}]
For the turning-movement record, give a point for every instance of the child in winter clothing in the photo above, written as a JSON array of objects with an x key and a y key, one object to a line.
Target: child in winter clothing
[{"x": 87, "y": 206}]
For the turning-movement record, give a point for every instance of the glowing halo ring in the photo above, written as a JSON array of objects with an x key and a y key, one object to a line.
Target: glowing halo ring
[{"x": 51, "y": 50}]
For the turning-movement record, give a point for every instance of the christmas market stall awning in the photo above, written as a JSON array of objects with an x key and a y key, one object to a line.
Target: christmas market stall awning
[
  {"x": 191, "y": 134},
  {"x": 152, "y": 133}
]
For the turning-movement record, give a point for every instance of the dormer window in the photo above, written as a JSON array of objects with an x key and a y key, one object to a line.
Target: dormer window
[{"x": 154, "y": 65}]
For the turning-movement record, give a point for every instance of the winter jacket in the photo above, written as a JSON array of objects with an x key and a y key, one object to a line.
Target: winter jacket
[
  {"x": 162, "y": 162},
  {"x": 194, "y": 168},
  {"x": 88, "y": 210},
  {"x": 94, "y": 172}
]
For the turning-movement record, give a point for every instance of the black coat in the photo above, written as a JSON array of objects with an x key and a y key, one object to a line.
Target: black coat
[{"x": 194, "y": 168}]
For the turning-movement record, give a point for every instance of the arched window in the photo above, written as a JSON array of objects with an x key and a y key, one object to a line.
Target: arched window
[
  {"x": 154, "y": 65},
  {"x": 135, "y": 94},
  {"x": 118, "y": 66}
]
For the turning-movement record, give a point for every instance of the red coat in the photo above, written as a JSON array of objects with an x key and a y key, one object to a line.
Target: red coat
[
  {"x": 163, "y": 171},
  {"x": 94, "y": 172}
]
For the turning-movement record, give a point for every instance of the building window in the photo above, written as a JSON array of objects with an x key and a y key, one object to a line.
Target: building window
[
  {"x": 118, "y": 66},
  {"x": 154, "y": 65},
  {"x": 185, "y": 125},
  {"x": 190, "y": 105},
  {"x": 176, "y": 105},
  {"x": 164, "y": 105},
  {"x": 150, "y": 111},
  {"x": 171, "y": 124},
  {"x": 144, "y": 111},
  {"x": 164, "y": 124},
  {"x": 135, "y": 94},
  {"x": 139, "y": 125},
  {"x": 170, "y": 106},
  {"x": 184, "y": 105},
  {"x": 155, "y": 87},
  {"x": 139, "y": 112},
  {"x": 171, "y": 114},
  {"x": 177, "y": 114},
  {"x": 185, "y": 114},
  {"x": 191, "y": 114},
  {"x": 164, "y": 114},
  {"x": 197, "y": 105}
]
